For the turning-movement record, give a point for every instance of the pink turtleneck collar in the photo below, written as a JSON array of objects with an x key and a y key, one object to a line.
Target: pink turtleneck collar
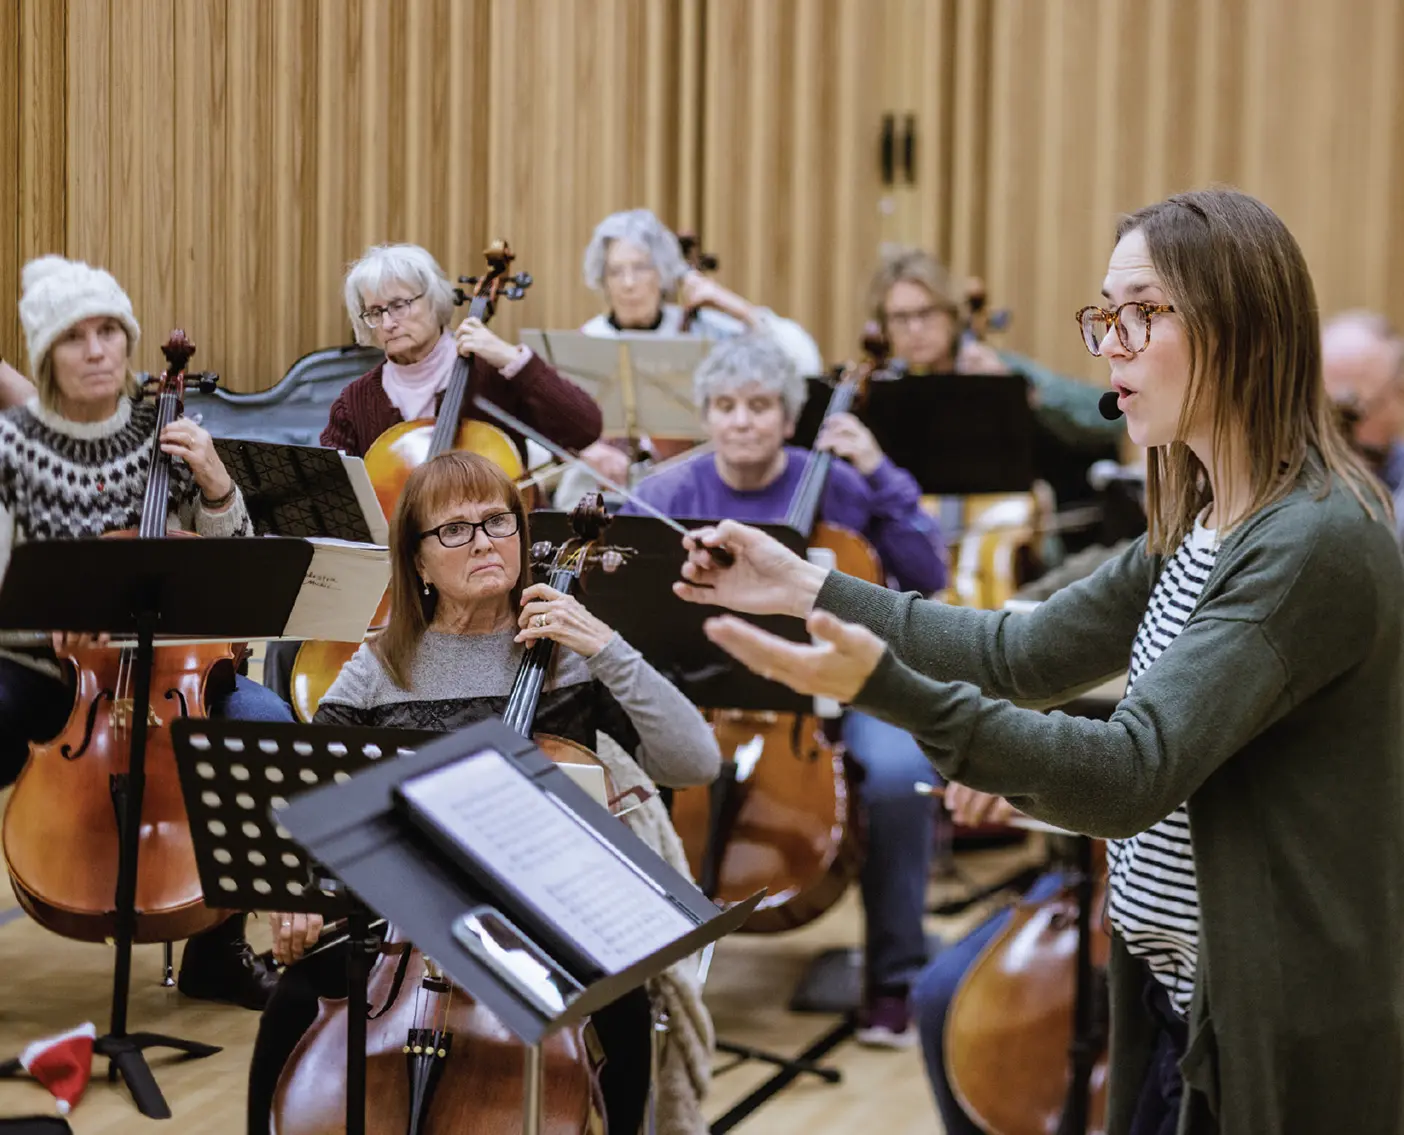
[{"x": 412, "y": 388}]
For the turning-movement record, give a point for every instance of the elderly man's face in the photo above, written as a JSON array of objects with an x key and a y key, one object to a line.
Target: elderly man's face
[
  {"x": 1362, "y": 373},
  {"x": 632, "y": 284}
]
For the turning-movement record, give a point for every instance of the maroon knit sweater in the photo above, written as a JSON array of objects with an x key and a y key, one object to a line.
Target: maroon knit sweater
[{"x": 536, "y": 394}]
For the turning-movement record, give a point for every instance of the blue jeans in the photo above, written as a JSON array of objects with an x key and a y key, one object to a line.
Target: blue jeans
[
  {"x": 935, "y": 989},
  {"x": 34, "y": 707},
  {"x": 901, "y": 827}
]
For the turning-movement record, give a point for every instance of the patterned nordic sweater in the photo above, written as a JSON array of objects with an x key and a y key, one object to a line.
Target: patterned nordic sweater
[{"x": 64, "y": 480}]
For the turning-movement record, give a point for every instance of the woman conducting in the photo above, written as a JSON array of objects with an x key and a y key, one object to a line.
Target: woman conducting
[{"x": 1250, "y": 784}]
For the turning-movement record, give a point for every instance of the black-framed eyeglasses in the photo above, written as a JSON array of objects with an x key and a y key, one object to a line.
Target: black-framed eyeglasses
[
  {"x": 372, "y": 316},
  {"x": 456, "y": 533},
  {"x": 1132, "y": 321}
]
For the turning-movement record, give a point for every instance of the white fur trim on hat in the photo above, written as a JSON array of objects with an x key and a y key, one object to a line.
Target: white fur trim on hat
[{"x": 59, "y": 293}]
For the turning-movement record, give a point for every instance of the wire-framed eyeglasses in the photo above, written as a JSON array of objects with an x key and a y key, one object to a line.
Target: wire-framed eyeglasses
[
  {"x": 1132, "y": 321},
  {"x": 373, "y": 316},
  {"x": 456, "y": 533}
]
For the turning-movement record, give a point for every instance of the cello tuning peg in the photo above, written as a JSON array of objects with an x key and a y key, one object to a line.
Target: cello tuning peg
[
  {"x": 541, "y": 550},
  {"x": 611, "y": 560}
]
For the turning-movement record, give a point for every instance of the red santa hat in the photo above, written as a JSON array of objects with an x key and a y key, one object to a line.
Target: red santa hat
[{"x": 62, "y": 1064}]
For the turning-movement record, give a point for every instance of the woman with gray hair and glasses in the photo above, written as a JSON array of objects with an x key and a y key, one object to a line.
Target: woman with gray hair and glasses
[
  {"x": 636, "y": 265},
  {"x": 400, "y": 300}
]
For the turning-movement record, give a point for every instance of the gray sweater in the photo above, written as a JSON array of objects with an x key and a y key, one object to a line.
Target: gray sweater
[
  {"x": 1278, "y": 714},
  {"x": 459, "y": 679}
]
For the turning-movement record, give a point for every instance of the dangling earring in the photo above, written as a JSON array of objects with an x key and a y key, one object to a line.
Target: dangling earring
[{"x": 426, "y": 587}]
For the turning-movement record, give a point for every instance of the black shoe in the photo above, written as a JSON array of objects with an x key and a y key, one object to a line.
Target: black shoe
[{"x": 220, "y": 965}]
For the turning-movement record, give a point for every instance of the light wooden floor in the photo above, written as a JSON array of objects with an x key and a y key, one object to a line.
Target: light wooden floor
[{"x": 51, "y": 984}]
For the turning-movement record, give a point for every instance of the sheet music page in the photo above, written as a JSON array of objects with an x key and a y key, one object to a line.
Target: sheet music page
[
  {"x": 616, "y": 915},
  {"x": 340, "y": 592},
  {"x": 376, "y": 523}
]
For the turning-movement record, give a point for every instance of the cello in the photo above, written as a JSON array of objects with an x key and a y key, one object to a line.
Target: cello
[
  {"x": 1013, "y": 1033},
  {"x": 61, "y": 826},
  {"x": 438, "y": 1062},
  {"x": 405, "y": 446},
  {"x": 780, "y": 816}
]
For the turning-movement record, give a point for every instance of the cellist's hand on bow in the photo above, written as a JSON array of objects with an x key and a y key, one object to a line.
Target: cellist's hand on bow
[
  {"x": 845, "y": 436},
  {"x": 474, "y": 338},
  {"x": 548, "y": 613},
  {"x": 766, "y": 579},
  {"x": 294, "y": 935},
  {"x": 837, "y": 666}
]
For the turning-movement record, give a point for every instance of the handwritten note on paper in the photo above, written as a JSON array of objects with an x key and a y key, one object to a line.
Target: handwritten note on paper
[
  {"x": 340, "y": 591},
  {"x": 562, "y": 867}
]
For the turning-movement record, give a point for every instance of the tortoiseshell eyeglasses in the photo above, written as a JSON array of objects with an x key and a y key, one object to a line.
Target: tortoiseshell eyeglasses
[{"x": 1131, "y": 320}]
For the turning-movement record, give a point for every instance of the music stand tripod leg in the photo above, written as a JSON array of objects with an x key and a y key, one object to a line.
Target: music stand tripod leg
[
  {"x": 123, "y": 1050},
  {"x": 1086, "y": 1045},
  {"x": 361, "y": 944}
]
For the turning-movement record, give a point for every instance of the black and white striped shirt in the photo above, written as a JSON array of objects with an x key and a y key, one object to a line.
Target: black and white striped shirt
[{"x": 1154, "y": 902}]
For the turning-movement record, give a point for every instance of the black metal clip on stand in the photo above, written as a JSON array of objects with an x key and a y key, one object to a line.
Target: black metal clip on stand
[{"x": 148, "y": 587}]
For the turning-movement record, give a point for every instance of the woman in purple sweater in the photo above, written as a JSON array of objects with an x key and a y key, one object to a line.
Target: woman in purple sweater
[{"x": 750, "y": 396}]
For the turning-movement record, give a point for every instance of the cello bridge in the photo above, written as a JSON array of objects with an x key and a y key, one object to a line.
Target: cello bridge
[{"x": 122, "y": 715}]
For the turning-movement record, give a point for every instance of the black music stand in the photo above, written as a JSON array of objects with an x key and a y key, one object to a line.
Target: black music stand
[
  {"x": 147, "y": 586},
  {"x": 639, "y": 603},
  {"x": 955, "y": 433},
  {"x": 234, "y": 775},
  {"x": 302, "y": 491},
  {"x": 425, "y": 885}
]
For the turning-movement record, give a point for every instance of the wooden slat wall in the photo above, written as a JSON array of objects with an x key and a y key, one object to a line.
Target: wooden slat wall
[
  {"x": 791, "y": 184},
  {"x": 33, "y": 204},
  {"x": 227, "y": 158},
  {"x": 1100, "y": 106}
]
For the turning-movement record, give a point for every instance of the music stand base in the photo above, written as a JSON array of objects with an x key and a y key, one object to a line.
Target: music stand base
[
  {"x": 790, "y": 1070},
  {"x": 125, "y": 1058}
]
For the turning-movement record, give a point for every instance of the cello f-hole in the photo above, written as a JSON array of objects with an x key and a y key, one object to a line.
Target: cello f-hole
[
  {"x": 176, "y": 694},
  {"x": 66, "y": 750}
]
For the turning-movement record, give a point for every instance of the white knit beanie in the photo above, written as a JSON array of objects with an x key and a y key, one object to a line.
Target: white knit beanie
[{"x": 59, "y": 293}]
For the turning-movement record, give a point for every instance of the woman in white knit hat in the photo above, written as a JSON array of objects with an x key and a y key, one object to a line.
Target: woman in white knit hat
[{"x": 73, "y": 464}]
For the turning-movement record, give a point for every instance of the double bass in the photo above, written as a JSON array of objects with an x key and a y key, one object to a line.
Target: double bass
[
  {"x": 405, "y": 446},
  {"x": 62, "y": 827},
  {"x": 437, "y": 1061},
  {"x": 780, "y": 816}
]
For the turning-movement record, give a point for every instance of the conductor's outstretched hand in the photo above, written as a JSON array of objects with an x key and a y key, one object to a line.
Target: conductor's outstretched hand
[
  {"x": 837, "y": 665},
  {"x": 766, "y": 578}
]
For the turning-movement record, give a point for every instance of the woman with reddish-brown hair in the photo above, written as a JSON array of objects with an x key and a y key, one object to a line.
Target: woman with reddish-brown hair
[{"x": 464, "y": 612}]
